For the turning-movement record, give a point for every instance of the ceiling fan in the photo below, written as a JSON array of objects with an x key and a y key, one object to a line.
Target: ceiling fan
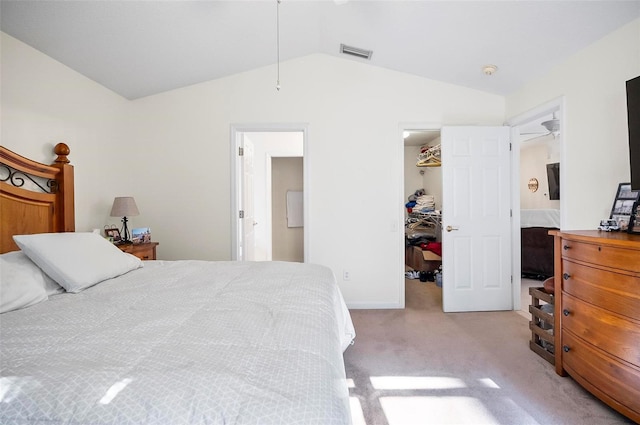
[{"x": 552, "y": 126}]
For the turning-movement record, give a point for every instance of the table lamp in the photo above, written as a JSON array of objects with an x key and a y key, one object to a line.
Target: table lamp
[{"x": 122, "y": 207}]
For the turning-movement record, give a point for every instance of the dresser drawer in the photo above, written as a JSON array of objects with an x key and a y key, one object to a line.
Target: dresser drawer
[
  {"x": 614, "y": 334},
  {"x": 613, "y": 291},
  {"x": 144, "y": 251},
  {"x": 611, "y": 379},
  {"x": 603, "y": 255}
]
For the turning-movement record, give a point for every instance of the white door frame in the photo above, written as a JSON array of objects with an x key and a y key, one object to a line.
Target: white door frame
[
  {"x": 556, "y": 105},
  {"x": 236, "y": 179}
]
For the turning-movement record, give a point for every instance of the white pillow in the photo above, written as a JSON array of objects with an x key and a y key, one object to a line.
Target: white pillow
[
  {"x": 19, "y": 258},
  {"x": 76, "y": 260},
  {"x": 22, "y": 283}
]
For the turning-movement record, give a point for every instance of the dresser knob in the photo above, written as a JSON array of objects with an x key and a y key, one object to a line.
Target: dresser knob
[
  {"x": 566, "y": 312},
  {"x": 566, "y": 247},
  {"x": 566, "y": 276},
  {"x": 566, "y": 348}
]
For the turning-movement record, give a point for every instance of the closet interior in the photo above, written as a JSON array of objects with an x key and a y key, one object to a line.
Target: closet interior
[{"x": 423, "y": 206}]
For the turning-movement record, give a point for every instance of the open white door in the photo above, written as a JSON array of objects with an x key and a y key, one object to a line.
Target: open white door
[
  {"x": 476, "y": 243},
  {"x": 246, "y": 219}
]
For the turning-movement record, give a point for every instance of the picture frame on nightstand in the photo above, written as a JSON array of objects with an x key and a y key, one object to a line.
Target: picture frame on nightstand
[
  {"x": 113, "y": 234},
  {"x": 141, "y": 235}
]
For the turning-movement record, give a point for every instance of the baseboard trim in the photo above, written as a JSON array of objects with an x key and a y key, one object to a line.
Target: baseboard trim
[{"x": 374, "y": 306}]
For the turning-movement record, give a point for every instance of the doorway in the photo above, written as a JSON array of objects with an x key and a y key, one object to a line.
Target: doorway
[
  {"x": 515, "y": 288},
  {"x": 421, "y": 227},
  {"x": 259, "y": 154},
  {"x": 538, "y": 159}
]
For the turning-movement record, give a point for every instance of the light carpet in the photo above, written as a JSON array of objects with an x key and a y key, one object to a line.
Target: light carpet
[{"x": 422, "y": 366}]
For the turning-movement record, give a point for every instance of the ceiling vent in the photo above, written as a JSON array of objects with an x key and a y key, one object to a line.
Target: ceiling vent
[{"x": 354, "y": 51}]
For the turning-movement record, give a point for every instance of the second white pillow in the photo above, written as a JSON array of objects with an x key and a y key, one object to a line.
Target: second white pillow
[{"x": 76, "y": 261}]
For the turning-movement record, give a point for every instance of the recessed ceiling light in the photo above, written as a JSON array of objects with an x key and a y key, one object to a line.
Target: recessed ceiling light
[{"x": 489, "y": 69}]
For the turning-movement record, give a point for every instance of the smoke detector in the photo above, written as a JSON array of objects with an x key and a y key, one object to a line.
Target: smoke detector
[{"x": 489, "y": 69}]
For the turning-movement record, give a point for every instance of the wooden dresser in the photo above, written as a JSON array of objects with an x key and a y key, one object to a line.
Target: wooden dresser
[{"x": 597, "y": 313}]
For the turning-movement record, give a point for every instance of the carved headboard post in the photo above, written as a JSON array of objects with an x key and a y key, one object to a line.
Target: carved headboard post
[
  {"x": 35, "y": 197},
  {"x": 65, "y": 214}
]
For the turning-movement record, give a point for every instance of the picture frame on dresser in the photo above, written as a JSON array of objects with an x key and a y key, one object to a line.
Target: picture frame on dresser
[
  {"x": 623, "y": 205},
  {"x": 634, "y": 220}
]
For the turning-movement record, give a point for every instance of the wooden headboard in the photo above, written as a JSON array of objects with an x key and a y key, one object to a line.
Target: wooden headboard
[{"x": 35, "y": 197}]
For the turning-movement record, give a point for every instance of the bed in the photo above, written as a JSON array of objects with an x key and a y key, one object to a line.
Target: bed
[
  {"x": 536, "y": 243},
  {"x": 160, "y": 342}
]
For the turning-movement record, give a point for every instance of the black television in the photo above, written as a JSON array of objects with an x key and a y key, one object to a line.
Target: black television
[
  {"x": 553, "y": 178},
  {"x": 633, "y": 120}
]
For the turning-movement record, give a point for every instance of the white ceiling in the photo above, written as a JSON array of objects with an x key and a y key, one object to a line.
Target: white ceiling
[
  {"x": 420, "y": 137},
  {"x": 140, "y": 48}
]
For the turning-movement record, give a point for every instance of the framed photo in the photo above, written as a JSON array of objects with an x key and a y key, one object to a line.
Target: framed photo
[
  {"x": 623, "y": 205},
  {"x": 141, "y": 235},
  {"x": 113, "y": 234},
  {"x": 634, "y": 222},
  {"x": 623, "y": 221}
]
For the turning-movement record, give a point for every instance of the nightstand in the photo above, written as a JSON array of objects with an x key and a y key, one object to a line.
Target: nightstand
[{"x": 144, "y": 251}]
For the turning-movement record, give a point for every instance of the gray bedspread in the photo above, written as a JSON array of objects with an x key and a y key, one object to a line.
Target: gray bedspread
[{"x": 182, "y": 342}]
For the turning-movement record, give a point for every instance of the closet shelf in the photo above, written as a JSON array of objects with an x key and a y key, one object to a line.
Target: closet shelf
[
  {"x": 429, "y": 164},
  {"x": 431, "y": 219}
]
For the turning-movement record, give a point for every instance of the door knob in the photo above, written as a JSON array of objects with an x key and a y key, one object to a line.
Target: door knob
[{"x": 450, "y": 228}]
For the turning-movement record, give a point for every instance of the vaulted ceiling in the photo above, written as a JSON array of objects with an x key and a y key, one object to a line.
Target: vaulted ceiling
[{"x": 140, "y": 48}]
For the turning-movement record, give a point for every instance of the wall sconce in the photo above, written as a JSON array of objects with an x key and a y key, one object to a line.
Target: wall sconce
[{"x": 533, "y": 184}]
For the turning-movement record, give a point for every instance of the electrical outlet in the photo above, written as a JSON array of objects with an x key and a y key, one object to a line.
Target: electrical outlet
[{"x": 346, "y": 275}]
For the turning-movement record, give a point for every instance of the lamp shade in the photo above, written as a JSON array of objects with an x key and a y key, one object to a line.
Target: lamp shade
[{"x": 124, "y": 206}]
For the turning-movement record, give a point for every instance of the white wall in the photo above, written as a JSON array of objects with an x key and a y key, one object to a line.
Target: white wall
[
  {"x": 595, "y": 138},
  {"x": 534, "y": 157},
  {"x": 354, "y": 157},
  {"x": 288, "y": 242},
  {"x": 172, "y": 152},
  {"x": 432, "y": 180},
  {"x": 44, "y": 102},
  {"x": 412, "y": 177}
]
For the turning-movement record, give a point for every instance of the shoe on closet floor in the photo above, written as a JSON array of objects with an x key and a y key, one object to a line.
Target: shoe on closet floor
[{"x": 412, "y": 274}]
